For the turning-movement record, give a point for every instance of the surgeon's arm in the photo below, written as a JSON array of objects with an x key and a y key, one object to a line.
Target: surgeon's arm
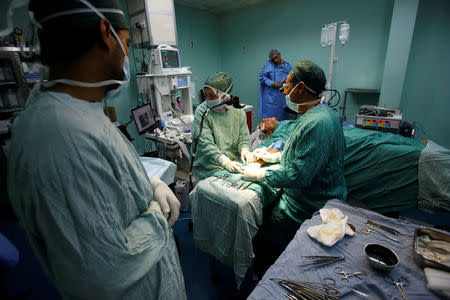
[
  {"x": 101, "y": 231},
  {"x": 311, "y": 153},
  {"x": 264, "y": 76}
]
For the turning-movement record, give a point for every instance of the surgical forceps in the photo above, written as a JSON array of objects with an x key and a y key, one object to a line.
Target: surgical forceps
[
  {"x": 308, "y": 290},
  {"x": 367, "y": 229},
  {"x": 345, "y": 276},
  {"x": 319, "y": 261},
  {"x": 399, "y": 283}
]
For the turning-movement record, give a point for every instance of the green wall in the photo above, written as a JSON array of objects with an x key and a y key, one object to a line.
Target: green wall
[
  {"x": 294, "y": 28},
  {"x": 426, "y": 93},
  {"x": 397, "y": 53},
  {"x": 238, "y": 43}
]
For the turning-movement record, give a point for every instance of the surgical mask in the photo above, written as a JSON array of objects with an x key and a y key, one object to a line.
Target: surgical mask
[
  {"x": 294, "y": 106},
  {"x": 221, "y": 98},
  {"x": 125, "y": 67},
  {"x": 114, "y": 93},
  {"x": 212, "y": 103}
]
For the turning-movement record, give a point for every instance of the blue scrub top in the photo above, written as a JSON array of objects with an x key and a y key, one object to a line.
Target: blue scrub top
[{"x": 272, "y": 102}]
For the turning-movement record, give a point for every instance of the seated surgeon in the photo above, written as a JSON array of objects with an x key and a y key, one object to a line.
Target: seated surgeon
[
  {"x": 76, "y": 184},
  {"x": 222, "y": 137},
  {"x": 311, "y": 168}
]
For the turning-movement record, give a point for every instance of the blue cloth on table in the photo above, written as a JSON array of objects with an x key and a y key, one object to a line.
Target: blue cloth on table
[
  {"x": 352, "y": 248},
  {"x": 161, "y": 168}
]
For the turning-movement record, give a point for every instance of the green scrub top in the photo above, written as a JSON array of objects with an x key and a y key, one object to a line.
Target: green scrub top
[
  {"x": 311, "y": 168},
  {"x": 223, "y": 133}
]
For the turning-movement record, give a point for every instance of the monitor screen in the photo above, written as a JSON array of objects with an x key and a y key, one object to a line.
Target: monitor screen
[
  {"x": 143, "y": 118},
  {"x": 169, "y": 59},
  {"x": 182, "y": 82}
]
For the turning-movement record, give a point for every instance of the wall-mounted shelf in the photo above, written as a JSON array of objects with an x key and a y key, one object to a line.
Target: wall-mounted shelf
[{"x": 356, "y": 91}]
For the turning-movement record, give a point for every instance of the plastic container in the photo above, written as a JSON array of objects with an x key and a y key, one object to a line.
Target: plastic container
[{"x": 344, "y": 30}]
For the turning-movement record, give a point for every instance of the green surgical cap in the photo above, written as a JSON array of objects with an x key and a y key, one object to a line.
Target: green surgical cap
[
  {"x": 67, "y": 15},
  {"x": 220, "y": 81},
  {"x": 311, "y": 74}
]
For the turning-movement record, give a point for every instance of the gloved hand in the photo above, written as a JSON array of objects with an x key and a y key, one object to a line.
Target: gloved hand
[
  {"x": 232, "y": 166},
  {"x": 169, "y": 203},
  {"x": 270, "y": 156},
  {"x": 251, "y": 157},
  {"x": 154, "y": 206},
  {"x": 253, "y": 172},
  {"x": 245, "y": 155}
]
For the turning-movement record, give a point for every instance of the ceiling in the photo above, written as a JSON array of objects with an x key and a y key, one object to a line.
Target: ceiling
[{"x": 218, "y": 6}]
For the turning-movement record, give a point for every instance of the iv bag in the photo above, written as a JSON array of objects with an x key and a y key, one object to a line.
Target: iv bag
[
  {"x": 344, "y": 30},
  {"x": 324, "y": 37},
  {"x": 330, "y": 35}
]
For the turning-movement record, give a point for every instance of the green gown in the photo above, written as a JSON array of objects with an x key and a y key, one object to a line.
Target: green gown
[
  {"x": 311, "y": 170},
  {"x": 81, "y": 195},
  {"x": 223, "y": 133}
]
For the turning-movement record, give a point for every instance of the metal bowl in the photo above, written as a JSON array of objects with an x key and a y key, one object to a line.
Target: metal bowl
[{"x": 381, "y": 257}]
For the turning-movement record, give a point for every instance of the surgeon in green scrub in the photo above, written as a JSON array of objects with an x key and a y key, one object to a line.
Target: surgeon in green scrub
[
  {"x": 96, "y": 222},
  {"x": 311, "y": 168},
  {"x": 223, "y": 139}
]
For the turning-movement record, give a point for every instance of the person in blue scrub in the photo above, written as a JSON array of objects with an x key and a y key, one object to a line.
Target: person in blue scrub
[
  {"x": 97, "y": 223},
  {"x": 311, "y": 168},
  {"x": 272, "y": 76}
]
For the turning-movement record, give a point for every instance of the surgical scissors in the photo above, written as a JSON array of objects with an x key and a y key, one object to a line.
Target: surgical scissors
[
  {"x": 367, "y": 229},
  {"x": 345, "y": 276},
  {"x": 400, "y": 283}
]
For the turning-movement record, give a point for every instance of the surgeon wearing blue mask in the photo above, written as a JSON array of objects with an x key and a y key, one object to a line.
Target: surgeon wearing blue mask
[
  {"x": 311, "y": 168},
  {"x": 97, "y": 223},
  {"x": 222, "y": 137}
]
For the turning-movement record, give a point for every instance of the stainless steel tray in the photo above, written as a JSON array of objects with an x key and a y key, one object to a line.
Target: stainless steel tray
[{"x": 431, "y": 256}]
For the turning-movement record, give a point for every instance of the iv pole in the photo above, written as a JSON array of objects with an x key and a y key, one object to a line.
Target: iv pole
[{"x": 331, "y": 42}]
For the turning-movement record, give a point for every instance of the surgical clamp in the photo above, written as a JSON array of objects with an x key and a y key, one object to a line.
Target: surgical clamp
[
  {"x": 367, "y": 229},
  {"x": 344, "y": 279},
  {"x": 384, "y": 227},
  {"x": 245, "y": 186},
  {"x": 399, "y": 283}
]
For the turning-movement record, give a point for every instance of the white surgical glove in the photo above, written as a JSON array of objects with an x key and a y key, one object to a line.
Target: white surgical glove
[
  {"x": 245, "y": 155},
  {"x": 169, "y": 203},
  {"x": 154, "y": 206},
  {"x": 253, "y": 172},
  {"x": 232, "y": 166},
  {"x": 251, "y": 157},
  {"x": 268, "y": 157}
]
